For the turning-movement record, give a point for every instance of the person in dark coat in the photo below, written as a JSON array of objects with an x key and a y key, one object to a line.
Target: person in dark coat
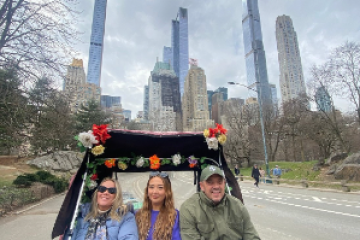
[
  {"x": 237, "y": 170},
  {"x": 255, "y": 174}
]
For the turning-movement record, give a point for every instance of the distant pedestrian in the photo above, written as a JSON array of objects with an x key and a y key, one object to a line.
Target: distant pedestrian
[
  {"x": 255, "y": 174},
  {"x": 277, "y": 171},
  {"x": 237, "y": 170},
  {"x": 262, "y": 173}
]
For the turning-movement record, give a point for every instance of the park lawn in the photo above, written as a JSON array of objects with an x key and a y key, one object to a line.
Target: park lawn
[{"x": 299, "y": 170}]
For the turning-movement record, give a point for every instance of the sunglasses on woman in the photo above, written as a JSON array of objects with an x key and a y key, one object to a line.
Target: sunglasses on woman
[
  {"x": 111, "y": 190},
  {"x": 158, "y": 174}
]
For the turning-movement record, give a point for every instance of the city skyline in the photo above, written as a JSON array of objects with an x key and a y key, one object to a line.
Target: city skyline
[{"x": 217, "y": 42}]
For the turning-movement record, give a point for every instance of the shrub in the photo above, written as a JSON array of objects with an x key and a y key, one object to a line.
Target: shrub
[
  {"x": 59, "y": 184},
  {"x": 43, "y": 175},
  {"x": 26, "y": 180}
]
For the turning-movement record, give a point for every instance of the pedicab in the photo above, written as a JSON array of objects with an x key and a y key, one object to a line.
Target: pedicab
[{"x": 109, "y": 151}]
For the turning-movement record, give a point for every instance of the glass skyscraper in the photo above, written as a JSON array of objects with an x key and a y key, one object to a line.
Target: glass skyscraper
[
  {"x": 323, "y": 100},
  {"x": 167, "y": 55},
  {"x": 180, "y": 46},
  {"x": 96, "y": 42},
  {"x": 254, "y": 50},
  {"x": 109, "y": 101}
]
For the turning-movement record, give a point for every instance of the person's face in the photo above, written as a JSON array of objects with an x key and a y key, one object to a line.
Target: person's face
[
  {"x": 156, "y": 191},
  {"x": 236, "y": 165},
  {"x": 105, "y": 200},
  {"x": 214, "y": 187},
  {"x": 255, "y": 166}
]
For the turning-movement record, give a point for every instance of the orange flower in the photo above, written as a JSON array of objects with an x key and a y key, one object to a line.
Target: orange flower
[
  {"x": 192, "y": 165},
  {"x": 154, "y": 162},
  {"x": 110, "y": 163}
]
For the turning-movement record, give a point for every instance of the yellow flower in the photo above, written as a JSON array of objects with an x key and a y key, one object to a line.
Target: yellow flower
[
  {"x": 98, "y": 150},
  {"x": 206, "y": 133},
  {"x": 122, "y": 166},
  {"x": 222, "y": 139}
]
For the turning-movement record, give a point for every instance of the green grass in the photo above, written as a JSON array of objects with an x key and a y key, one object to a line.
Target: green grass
[
  {"x": 298, "y": 170},
  {"x": 5, "y": 182}
]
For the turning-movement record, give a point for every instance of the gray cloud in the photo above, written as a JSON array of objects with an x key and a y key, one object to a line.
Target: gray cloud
[{"x": 137, "y": 30}]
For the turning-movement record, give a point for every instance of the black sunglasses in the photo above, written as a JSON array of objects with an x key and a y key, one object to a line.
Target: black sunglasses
[
  {"x": 158, "y": 174},
  {"x": 111, "y": 190}
]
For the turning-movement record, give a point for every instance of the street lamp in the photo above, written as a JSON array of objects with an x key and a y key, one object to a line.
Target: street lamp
[{"x": 261, "y": 122}]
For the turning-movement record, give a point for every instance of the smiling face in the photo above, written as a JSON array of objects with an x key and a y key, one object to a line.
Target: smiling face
[
  {"x": 156, "y": 192},
  {"x": 214, "y": 187},
  {"x": 105, "y": 200}
]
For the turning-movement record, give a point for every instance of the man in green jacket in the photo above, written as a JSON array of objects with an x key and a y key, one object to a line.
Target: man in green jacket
[{"x": 214, "y": 215}]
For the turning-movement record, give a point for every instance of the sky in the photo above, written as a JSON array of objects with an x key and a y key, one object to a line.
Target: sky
[{"x": 137, "y": 30}]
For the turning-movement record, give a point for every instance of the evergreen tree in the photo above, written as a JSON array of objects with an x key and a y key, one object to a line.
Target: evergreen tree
[{"x": 90, "y": 113}]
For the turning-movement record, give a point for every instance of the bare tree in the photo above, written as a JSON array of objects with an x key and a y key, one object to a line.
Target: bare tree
[
  {"x": 37, "y": 36},
  {"x": 237, "y": 145}
]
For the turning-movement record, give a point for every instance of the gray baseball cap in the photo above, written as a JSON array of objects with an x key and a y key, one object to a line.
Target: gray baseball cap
[{"x": 209, "y": 171}]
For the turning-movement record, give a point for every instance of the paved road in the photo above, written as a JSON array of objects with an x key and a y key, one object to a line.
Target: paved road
[{"x": 278, "y": 213}]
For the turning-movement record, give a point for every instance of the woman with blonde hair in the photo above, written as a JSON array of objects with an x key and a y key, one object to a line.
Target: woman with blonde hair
[
  {"x": 158, "y": 219},
  {"x": 106, "y": 217}
]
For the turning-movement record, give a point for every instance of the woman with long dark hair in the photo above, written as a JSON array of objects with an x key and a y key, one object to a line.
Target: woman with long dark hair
[{"x": 158, "y": 219}]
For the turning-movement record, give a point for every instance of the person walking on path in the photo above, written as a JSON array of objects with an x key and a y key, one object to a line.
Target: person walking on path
[
  {"x": 277, "y": 171},
  {"x": 213, "y": 214},
  {"x": 237, "y": 170},
  {"x": 255, "y": 174},
  {"x": 262, "y": 173}
]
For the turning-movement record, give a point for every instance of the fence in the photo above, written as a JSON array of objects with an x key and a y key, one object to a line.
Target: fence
[
  {"x": 344, "y": 185},
  {"x": 12, "y": 198}
]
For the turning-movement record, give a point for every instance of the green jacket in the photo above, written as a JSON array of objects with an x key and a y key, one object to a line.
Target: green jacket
[{"x": 229, "y": 220}]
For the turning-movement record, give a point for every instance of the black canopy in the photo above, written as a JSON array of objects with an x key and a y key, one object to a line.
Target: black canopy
[{"x": 125, "y": 143}]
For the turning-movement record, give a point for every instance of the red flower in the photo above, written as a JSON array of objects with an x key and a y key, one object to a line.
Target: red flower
[
  {"x": 94, "y": 177},
  {"x": 100, "y": 133},
  {"x": 154, "y": 162},
  {"x": 220, "y": 129},
  {"x": 212, "y": 132}
]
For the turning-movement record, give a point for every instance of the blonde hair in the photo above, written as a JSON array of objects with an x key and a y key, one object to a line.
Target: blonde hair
[
  {"x": 118, "y": 209},
  {"x": 165, "y": 220}
]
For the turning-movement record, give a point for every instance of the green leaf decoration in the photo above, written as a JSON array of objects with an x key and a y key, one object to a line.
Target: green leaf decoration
[
  {"x": 202, "y": 160},
  {"x": 82, "y": 149},
  {"x": 76, "y": 138},
  {"x": 79, "y": 144}
]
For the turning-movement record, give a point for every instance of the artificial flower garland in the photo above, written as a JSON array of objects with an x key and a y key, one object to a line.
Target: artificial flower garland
[
  {"x": 97, "y": 136},
  {"x": 214, "y": 136}
]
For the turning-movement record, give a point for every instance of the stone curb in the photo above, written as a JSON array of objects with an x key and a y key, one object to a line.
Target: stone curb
[
  {"x": 38, "y": 204},
  {"x": 311, "y": 189}
]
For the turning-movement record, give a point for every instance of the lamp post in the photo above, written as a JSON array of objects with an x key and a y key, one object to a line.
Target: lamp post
[{"x": 261, "y": 122}]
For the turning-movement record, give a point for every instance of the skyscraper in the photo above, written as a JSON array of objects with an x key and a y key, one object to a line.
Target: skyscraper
[
  {"x": 180, "y": 46},
  {"x": 164, "y": 99},
  {"x": 254, "y": 50},
  {"x": 77, "y": 89},
  {"x": 194, "y": 101},
  {"x": 292, "y": 82},
  {"x": 97, "y": 42},
  {"x": 109, "y": 101},
  {"x": 323, "y": 100},
  {"x": 146, "y": 102},
  {"x": 167, "y": 55}
]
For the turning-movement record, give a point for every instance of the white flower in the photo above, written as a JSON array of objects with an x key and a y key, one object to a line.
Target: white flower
[
  {"x": 176, "y": 159},
  {"x": 140, "y": 162},
  {"x": 92, "y": 185},
  {"x": 87, "y": 139},
  {"x": 212, "y": 143}
]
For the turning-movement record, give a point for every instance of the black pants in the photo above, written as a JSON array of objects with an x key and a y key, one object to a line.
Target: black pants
[{"x": 256, "y": 181}]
